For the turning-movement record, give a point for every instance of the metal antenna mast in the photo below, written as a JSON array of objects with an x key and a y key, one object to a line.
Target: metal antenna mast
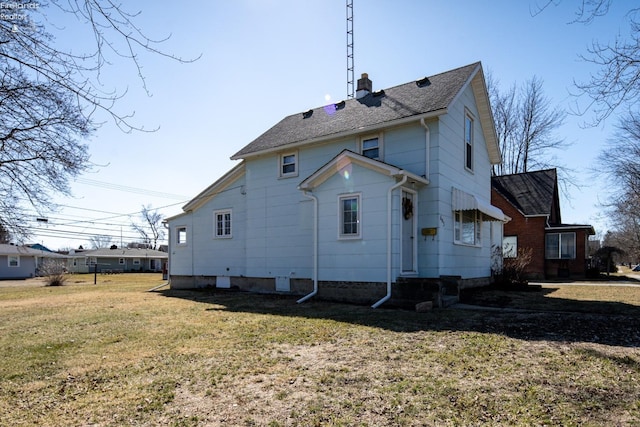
[{"x": 350, "y": 74}]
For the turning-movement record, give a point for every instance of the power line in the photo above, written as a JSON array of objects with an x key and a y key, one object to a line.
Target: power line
[{"x": 127, "y": 189}]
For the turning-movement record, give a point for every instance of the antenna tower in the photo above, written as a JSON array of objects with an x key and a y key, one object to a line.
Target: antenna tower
[{"x": 350, "y": 74}]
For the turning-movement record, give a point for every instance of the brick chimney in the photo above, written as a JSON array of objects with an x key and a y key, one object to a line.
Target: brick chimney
[{"x": 365, "y": 86}]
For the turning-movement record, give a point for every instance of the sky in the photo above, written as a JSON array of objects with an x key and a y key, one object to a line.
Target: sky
[{"x": 261, "y": 60}]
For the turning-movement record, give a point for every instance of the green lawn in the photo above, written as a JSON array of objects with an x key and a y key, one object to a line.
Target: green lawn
[{"x": 113, "y": 354}]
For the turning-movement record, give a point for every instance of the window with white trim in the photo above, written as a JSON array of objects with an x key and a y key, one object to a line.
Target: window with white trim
[
  {"x": 467, "y": 227},
  {"x": 370, "y": 147},
  {"x": 510, "y": 247},
  {"x": 136, "y": 261},
  {"x": 13, "y": 261},
  {"x": 350, "y": 214},
  {"x": 121, "y": 261},
  {"x": 288, "y": 165},
  {"x": 468, "y": 141},
  {"x": 222, "y": 224},
  {"x": 560, "y": 245},
  {"x": 181, "y": 236}
]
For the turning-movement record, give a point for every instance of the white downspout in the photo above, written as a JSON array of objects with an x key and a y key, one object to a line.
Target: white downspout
[
  {"x": 315, "y": 248},
  {"x": 389, "y": 227},
  {"x": 427, "y": 148}
]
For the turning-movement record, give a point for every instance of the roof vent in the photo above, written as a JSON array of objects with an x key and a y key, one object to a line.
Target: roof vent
[
  {"x": 340, "y": 105},
  {"x": 365, "y": 86},
  {"x": 378, "y": 93},
  {"x": 307, "y": 114},
  {"x": 423, "y": 82}
]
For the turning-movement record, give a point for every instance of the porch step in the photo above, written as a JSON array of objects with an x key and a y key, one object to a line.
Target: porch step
[{"x": 448, "y": 300}]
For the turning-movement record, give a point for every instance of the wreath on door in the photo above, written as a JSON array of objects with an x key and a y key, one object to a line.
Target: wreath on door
[{"x": 407, "y": 207}]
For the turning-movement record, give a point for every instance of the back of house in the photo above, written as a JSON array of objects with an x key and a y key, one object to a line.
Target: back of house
[{"x": 353, "y": 201}]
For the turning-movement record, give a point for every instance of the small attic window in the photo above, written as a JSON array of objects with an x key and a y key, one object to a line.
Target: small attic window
[
  {"x": 307, "y": 114},
  {"x": 423, "y": 82},
  {"x": 378, "y": 93}
]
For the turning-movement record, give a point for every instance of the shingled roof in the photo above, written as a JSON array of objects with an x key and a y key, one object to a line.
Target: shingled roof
[
  {"x": 532, "y": 193},
  {"x": 377, "y": 109}
]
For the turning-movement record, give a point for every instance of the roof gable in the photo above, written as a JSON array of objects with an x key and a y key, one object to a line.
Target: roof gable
[
  {"x": 532, "y": 193},
  {"x": 345, "y": 158},
  {"x": 220, "y": 185},
  {"x": 427, "y": 97}
]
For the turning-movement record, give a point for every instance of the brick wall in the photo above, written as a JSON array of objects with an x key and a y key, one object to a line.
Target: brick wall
[{"x": 530, "y": 232}]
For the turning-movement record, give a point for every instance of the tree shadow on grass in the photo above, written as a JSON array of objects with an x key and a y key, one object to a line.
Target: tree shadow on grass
[{"x": 545, "y": 319}]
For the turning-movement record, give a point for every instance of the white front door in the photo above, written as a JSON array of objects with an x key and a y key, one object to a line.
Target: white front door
[{"x": 408, "y": 238}]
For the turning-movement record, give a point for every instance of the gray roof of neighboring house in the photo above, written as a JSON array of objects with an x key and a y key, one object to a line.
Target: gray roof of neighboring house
[
  {"x": 123, "y": 253},
  {"x": 6, "y": 249},
  {"x": 532, "y": 193},
  {"x": 416, "y": 98}
]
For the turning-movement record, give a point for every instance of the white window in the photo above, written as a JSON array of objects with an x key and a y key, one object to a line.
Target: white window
[
  {"x": 90, "y": 261},
  {"x": 510, "y": 247},
  {"x": 121, "y": 261},
  {"x": 14, "y": 261},
  {"x": 136, "y": 261},
  {"x": 349, "y": 216},
  {"x": 370, "y": 147},
  {"x": 560, "y": 246},
  {"x": 468, "y": 141},
  {"x": 181, "y": 235},
  {"x": 467, "y": 227},
  {"x": 289, "y": 165},
  {"x": 222, "y": 224}
]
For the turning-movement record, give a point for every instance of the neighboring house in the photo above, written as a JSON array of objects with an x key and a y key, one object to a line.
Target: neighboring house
[
  {"x": 22, "y": 262},
  {"x": 531, "y": 200},
  {"x": 116, "y": 260},
  {"x": 351, "y": 200}
]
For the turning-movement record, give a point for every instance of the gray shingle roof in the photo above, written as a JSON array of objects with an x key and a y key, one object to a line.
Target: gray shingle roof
[
  {"x": 532, "y": 193},
  {"x": 399, "y": 102}
]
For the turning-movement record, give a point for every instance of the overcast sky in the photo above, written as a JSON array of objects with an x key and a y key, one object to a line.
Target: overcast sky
[{"x": 262, "y": 60}]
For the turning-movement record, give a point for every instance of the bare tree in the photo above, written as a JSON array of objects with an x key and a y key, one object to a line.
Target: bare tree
[
  {"x": 99, "y": 241},
  {"x": 526, "y": 124},
  {"x": 51, "y": 99},
  {"x": 617, "y": 81},
  {"x": 151, "y": 230}
]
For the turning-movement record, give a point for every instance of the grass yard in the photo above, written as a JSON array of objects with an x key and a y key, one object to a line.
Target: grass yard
[{"x": 113, "y": 354}]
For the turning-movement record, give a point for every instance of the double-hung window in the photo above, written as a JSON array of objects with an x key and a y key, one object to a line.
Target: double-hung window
[
  {"x": 288, "y": 165},
  {"x": 222, "y": 224},
  {"x": 560, "y": 245},
  {"x": 371, "y": 147},
  {"x": 510, "y": 247},
  {"x": 349, "y": 215},
  {"x": 468, "y": 141},
  {"x": 14, "y": 261},
  {"x": 181, "y": 236},
  {"x": 467, "y": 227}
]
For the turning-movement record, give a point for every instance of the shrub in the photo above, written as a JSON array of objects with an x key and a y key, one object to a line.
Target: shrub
[
  {"x": 513, "y": 270},
  {"x": 54, "y": 273}
]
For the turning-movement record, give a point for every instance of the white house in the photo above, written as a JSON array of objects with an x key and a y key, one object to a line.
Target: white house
[{"x": 363, "y": 200}]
